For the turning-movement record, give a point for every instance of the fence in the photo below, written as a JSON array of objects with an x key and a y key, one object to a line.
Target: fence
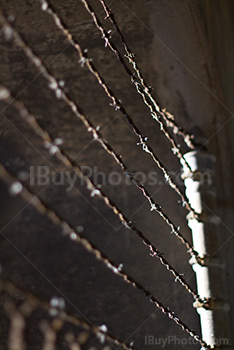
[{"x": 59, "y": 318}]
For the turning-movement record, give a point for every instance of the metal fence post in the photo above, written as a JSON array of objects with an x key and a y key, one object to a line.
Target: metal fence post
[{"x": 200, "y": 190}]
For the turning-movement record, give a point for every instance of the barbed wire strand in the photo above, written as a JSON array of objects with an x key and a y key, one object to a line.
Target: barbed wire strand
[
  {"x": 51, "y": 330},
  {"x": 73, "y": 233},
  {"x": 168, "y": 118},
  {"x": 66, "y": 160},
  {"x": 76, "y": 343},
  {"x": 60, "y": 94},
  {"x": 50, "y": 336},
  {"x": 16, "y": 328},
  {"x": 156, "y": 116},
  {"x": 96, "y": 133},
  {"x": 19, "y": 315},
  {"x": 84, "y": 60},
  {"x": 76, "y": 321}
]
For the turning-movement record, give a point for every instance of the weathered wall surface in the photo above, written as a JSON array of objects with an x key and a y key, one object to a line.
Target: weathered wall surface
[
  {"x": 173, "y": 51},
  {"x": 218, "y": 19}
]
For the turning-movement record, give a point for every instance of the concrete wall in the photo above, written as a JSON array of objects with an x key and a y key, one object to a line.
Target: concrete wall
[{"x": 176, "y": 56}]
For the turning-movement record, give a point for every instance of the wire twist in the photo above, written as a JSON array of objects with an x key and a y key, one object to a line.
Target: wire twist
[
  {"x": 60, "y": 94},
  {"x": 168, "y": 118},
  {"x": 154, "y": 113},
  {"x": 67, "y": 161},
  {"x": 43, "y": 209},
  {"x": 76, "y": 321},
  {"x": 74, "y": 235},
  {"x": 85, "y": 60}
]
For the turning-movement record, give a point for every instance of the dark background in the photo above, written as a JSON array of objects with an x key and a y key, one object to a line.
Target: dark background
[{"x": 183, "y": 49}]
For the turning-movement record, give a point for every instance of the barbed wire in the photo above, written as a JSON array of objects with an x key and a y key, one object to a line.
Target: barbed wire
[
  {"x": 16, "y": 327},
  {"x": 60, "y": 94},
  {"x": 168, "y": 118},
  {"x": 19, "y": 315},
  {"x": 62, "y": 156},
  {"x": 97, "y": 134},
  {"x": 41, "y": 207},
  {"x": 85, "y": 60},
  {"x": 154, "y": 113},
  {"x": 60, "y": 314},
  {"x": 73, "y": 233}
]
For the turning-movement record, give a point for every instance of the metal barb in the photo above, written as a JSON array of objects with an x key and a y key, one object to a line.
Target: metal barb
[
  {"x": 168, "y": 118},
  {"x": 42, "y": 208},
  {"x": 67, "y": 162},
  {"x": 52, "y": 84}
]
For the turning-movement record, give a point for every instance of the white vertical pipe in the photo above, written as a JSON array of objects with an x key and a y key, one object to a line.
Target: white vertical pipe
[{"x": 200, "y": 190}]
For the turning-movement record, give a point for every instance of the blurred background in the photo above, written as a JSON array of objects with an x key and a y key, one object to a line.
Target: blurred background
[{"x": 185, "y": 51}]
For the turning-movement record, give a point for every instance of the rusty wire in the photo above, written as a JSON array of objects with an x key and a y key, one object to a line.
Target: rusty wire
[
  {"x": 73, "y": 233},
  {"x": 166, "y": 116},
  {"x": 154, "y": 113},
  {"x": 16, "y": 328},
  {"x": 53, "y": 84},
  {"x": 35, "y": 302},
  {"x": 96, "y": 133},
  {"x": 85, "y": 60},
  {"x": 67, "y": 162}
]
